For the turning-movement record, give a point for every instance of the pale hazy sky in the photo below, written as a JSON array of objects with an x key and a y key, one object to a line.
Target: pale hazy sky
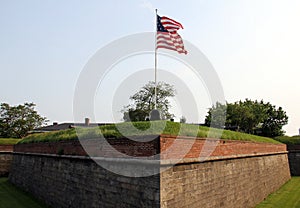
[{"x": 254, "y": 46}]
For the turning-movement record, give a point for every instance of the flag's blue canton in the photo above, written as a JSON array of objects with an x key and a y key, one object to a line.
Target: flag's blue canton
[{"x": 160, "y": 27}]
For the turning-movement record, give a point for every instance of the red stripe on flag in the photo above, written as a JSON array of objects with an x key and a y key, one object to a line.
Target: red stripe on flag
[
  {"x": 171, "y": 41},
  {"x": 165, "y": 20}
]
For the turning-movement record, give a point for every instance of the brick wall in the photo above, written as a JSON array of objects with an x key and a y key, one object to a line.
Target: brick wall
[
  {"x": 103, "y": 148},
  {"x": 96, "y": 147},
  {"x": 6, "y": 148},
  {"x": 213, "y": 147}
]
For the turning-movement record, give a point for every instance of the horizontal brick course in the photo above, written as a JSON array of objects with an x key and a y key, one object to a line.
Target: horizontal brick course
[
  {"x": 96, "y": 147},
  {"x": 6, "y": 148},
  {"x": 170, "y": 147},
  {"x": 174, "y": 147}
]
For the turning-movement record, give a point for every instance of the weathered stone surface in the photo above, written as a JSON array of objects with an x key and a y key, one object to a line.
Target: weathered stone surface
[
  {"x": 5, "y": 162},
  {"x": 294, "y": 159},
  {"x": 74, "y": 182},
  {"x": 226, "y": 183}
]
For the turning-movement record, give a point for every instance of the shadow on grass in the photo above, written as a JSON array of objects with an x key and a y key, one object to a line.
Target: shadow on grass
[{"x": 13, "y": 197}]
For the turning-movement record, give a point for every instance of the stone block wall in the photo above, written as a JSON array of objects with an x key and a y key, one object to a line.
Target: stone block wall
[
  {"x": 76, "y": 181},
  {"x": 239, "y": 182},
  {"x": 5, "y": 163},
  {"x": 294, "y": 159},
  {"x": 5, "y": 159}
]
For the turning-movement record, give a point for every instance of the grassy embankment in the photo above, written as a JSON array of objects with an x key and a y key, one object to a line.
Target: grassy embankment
[
  {"x": 288, "y": 140},
  {"x": 8, "y": 141},
  {"x": 287, "y": 196},
  {"x": 143, "y": 128},
  {"x": 12, "y": 197}
]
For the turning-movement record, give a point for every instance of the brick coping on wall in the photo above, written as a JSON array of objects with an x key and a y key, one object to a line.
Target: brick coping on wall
[
  {"x": 166, "y": 162},
  {"x": 6, "y": 148},
  {"x": 158, "y": 148}
]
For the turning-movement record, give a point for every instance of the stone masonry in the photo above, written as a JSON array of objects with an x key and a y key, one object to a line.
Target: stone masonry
[
  {"x": 70, "y": 181},
  {"x": 238, "y": 183},
  {"x": 5, "y": 162},
  {"x": 5, "y": 159},
  {"x": 294, "y": 159}
]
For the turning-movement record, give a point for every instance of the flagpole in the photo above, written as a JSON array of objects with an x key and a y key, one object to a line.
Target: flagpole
[{"x": 155, "y": 63}]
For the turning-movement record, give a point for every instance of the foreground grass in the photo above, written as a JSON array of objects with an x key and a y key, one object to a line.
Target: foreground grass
[
  {"x": 7, "y": 141},
  {"x": 288, "y": 196},
  {"x": 144, "y": 128},
  {"x": 12, "y": 197}
]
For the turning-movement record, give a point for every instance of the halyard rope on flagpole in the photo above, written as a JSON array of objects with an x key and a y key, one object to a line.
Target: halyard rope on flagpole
[{"x": 155, "y": 63}]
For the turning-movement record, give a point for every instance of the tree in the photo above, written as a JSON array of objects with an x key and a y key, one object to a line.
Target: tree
[
  {"x": 251, "y": 117},
  {"x": 277, "y": 118},
  {"x": 143, "y": 102},
  {"x": 216, "y": 116},
  {"x": 18, "y": 121}
]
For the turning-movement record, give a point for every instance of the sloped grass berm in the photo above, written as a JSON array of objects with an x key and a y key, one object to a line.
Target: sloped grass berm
[
  {"x": 9, "y": 141},
  {"x": 293, "y": 140},
  {"x": 144, "y": 128},
  {"x": 67, "y": 143}
]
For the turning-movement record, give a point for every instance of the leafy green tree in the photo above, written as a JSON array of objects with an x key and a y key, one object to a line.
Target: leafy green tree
[
  {"x": 18, "y": 121},
  {"x": 277, "y": 118},
  {"x": 143, "y": 102},
  {"x": 216, "y": 116},
  {"x": 251, "y": 117}
]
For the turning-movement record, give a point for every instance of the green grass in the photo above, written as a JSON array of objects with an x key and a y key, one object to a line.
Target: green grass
[
  {"x": 6, "y": 141},
  {"x": 143, "y": 128},
  {"x": 288, "y": 196},
  {"x": 288, "y": 140},
  {"x": 12, "y": 197}
]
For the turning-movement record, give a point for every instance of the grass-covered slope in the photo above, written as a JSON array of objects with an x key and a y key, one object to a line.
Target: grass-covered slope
[
  {"x": 288, "y": 140},
  {"x": 287, "y": 196},
  {"x": 143, "y": 128},
  {"x": 8, "y": 141}
]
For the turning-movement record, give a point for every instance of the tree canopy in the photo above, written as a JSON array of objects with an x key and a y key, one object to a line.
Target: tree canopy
[
  {"x": 143, "y": 102},
  {"x": 249, "y": 116},
  {"x": 18, "y": 121}
]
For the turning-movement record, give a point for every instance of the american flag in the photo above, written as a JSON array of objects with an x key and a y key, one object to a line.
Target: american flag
[{"x": 167, "y": 36}]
